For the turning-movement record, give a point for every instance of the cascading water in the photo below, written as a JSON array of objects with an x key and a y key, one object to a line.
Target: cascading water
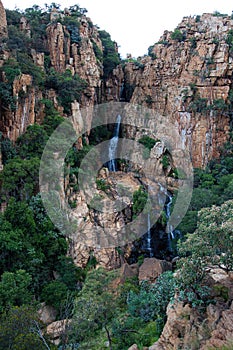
[
  {"x": 113, "y": 146},
  {"x": 169, "y": 229},
  {"x": 168, "y": 214},
  {"x": 148, "y": 237}
]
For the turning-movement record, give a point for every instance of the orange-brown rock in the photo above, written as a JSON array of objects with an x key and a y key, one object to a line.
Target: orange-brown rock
[
  {"x": 186, "y": 328},
  {"x": 47, "y": 314},
  {"x": 152, "y": 268},
  {"x": 78, "y": 57},
  {"x": 13, "y": 124},
  {"x": 59, "y": 46},
  {"x": 58, "y": 329},
  {"x": 3, "y": 22},
  {"x": 183, "y": 71}
]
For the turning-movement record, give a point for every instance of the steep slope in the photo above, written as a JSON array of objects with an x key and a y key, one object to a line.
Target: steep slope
[
  {"x": 188, "y": 76},
  {"x": 55, "y": 55}
]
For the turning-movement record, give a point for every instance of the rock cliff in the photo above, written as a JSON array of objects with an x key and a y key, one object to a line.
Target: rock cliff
[
  {"x": 188, "y": 76},
  {"x": 71, "y": 44},
  {"x": 3, "y": 22},
  {"x": 188, "y": 329}
]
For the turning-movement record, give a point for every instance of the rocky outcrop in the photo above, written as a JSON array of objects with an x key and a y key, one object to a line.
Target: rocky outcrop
[
  {"x": 3, "y": 22},
  {"x": 185, "y": 68},
  {"x": 13, "y": 124},
  {"x": 57, "y": 331},
  {"x": 65, "y": 53},
  {"x": 152, "y": 268},
  {"x": 59, "y": 46},
  {"x": 186, "y": 328},
  {"x": 47, "y": 314},
  {"x": 90, "y": 221},
  {"x": 79, "y": 57}
]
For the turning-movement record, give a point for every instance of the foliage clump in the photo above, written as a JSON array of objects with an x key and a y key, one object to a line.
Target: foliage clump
[
  {"x": 210, "y": 245},
  {"x": 111, "y": 57}
]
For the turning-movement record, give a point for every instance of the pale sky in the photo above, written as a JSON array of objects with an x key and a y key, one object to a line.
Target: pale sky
[{"x": 135, "y": 25}]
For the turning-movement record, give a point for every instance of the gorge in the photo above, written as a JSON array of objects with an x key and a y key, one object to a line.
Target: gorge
[{"x": 132, "y": 271}]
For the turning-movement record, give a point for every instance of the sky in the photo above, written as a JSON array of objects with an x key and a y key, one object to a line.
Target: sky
[{"x": 135, "y": 25}]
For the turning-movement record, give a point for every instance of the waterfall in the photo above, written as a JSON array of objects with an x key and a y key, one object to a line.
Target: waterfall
[
  {"x": 168, "y": 214},
  {"x": 170, "y": 230},
  {"x": 148, "y": 237},
  {"x": 113, "y": 145}
]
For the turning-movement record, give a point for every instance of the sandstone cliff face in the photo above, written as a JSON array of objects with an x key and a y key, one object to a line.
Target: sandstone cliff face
[
  {"x": 183, "y": 71},
  {"x": 13, "y": 124},
  {"x": 3, "y": 22},
  {"x": 188, "y": 329},
  {"x": 78, "y": 57}
]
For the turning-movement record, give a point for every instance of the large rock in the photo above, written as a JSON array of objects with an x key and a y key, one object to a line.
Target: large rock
[
  {"x": 3, "y": 22},
  {"x": 58, "y": 329},
  {"x": 152, "y": 268},
  {"x": 199, "y": 66},
  {"x": 186, "y": 328},
  {"x": 107, "y": 223},
  {"x": 47, "y": 313},
  {"x": 14, "y": 124},
  {"x": 134, "y": 347}
]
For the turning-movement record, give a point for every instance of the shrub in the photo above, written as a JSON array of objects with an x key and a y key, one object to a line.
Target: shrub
[
  {"x": 210, "y": 244},
  {"x": 151, "y": 53},
  {"x": 32, "y": 142},
  {"x": 193, "y": 43},
  {"x": 147, "y": 141},
  {"x": 27, "y": 66},
  {"x": 229, "y": 40},
  {"x": 152, "y": 300},
  {"x": 178, "y": 35},
  {"x": 54, "y": 294},
  {"x": 19, "y": 330},
  {"x": 8, "y": 101},
  {"x": 165, "y": 161},
  {"x": 199, "y": 105},
  {"x": 110, "y": 56},
  {"x": 219, "y": 14},
  {"x": 97, "y": 51},
  {"x": 139, "y": 201},
  {"x": 101, "y": 185},
  {"x": 68, "y": 87},
  {"x": 14, "y": 289}
]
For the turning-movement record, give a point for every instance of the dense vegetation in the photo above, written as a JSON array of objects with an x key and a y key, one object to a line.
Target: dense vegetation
[{"x": 35, "y": 266}]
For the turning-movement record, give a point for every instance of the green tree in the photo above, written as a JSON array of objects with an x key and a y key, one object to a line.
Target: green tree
[
  {"x": 95, "y": 307},
  {"x": 20, "y": 329},
  {"x": 14, "y": 289},
  {"x": 139, "y": 200},
  {"x": 20, "y": 178},
  {"x": 68, "y": 87},
  {"x": 152, "y": 300},
  {"x": 212, "y": 243},
  {"x": 31, "y": 144},
  {"x": 7, "y": 148},
  {"x": 12, "y": 247},
  {"x": 52, "y": 118},
  {"x": 178, "y": 35},
  {"x": 54, "y": 293},
  {"x": 110, "y": 55}
]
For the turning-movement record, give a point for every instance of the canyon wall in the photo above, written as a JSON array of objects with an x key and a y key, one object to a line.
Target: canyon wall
[{"x": 188, "y": 77}]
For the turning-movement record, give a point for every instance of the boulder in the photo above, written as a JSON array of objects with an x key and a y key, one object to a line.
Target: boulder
[
  {"x": 134, "y": 347},
  {"x": 47, "y": 313},
  {"x": 56, "y": 329},
  {"x": 152, "y": 268}
]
